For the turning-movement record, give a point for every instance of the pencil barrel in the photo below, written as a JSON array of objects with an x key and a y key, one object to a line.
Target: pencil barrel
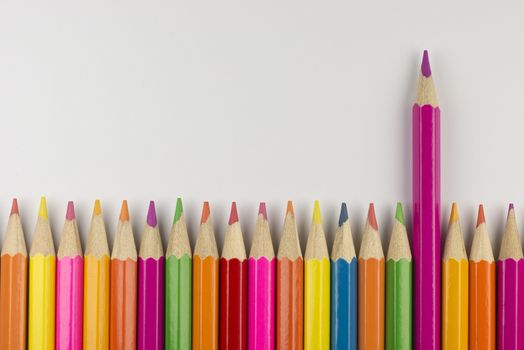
[
  {"x": 426, "y": 227},
  {"x": 290, "y": 304},
  {"x": 205, "y": 303},
  {"x": 233, "y": 303},
  {"x": 13, "y": 305},
  {"x": 151, "y": 303},
  {"x": 317, "y": 304},
  {"x": 510, "y": 304},
  {"x": 96, "y": 302},
  {"x": 482, "y": 289},
  {"x": 69, "y": 303},
  {"x": 42, "y": 273},
  {"x": 261, "y": 303},
  {"x": 455, "y": 311},
  {"x": 399, "y": 282},
  {"x": 178, "y": 303},
  {"x": 344, "y": 304},
  {"x": 371, "y": 304},
  {"x": 123, "y": 315}
]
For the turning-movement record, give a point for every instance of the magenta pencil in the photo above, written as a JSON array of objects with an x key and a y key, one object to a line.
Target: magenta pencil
[
  {"x": 426, "y": 213},
  {"x": 510, "y": 288},
  {"x": 261, "y": 287},
  {"x": 69, "y": 286},
  {"x": 151, "y": 267}
]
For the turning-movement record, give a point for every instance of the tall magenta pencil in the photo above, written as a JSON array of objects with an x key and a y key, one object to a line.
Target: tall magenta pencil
[
  {"x": 151, "y": 272},
  {"x": 426, "y": 213},
  {"x": 510, "y": 288},
  {"x": 261, "y": 287},
  {"x": 69, "y": 286}
]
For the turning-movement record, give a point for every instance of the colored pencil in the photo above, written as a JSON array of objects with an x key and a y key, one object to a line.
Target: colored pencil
[
  {"x": 261, "y": 286},
  {"x": 344, "y": 279},
  {"x": 455, "y": 294},
  {"x": 123, "y": 297},
  {"x": 178, "y": 284},
  {"x": 233, "y": 287},
  {"x": 13, "y": 285},
  {"x": 151, "y": 270},
  {"x": 290, "y": 286},
  {"x": 42, "y": 274},
  {"x": 399, "y": 283},
  {"x": 510, "y": 288},
  {"x": 426, "y": 212},
  {"x": 371, "y": 287},
  {"x": 482, "y": 301},
  {"x": 317, "y": 287},
  {"x": 96, "y": 284},
  {"x": 69, "y": 286},
  {"x": 205, "y": 285}
]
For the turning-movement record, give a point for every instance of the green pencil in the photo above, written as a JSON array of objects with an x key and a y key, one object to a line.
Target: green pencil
[
  {"x": 178, "y": 284},
  {"x": 399, "y": 287}
]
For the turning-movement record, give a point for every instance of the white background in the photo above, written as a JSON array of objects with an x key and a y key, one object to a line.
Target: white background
[{"x": 255, "y": 100}]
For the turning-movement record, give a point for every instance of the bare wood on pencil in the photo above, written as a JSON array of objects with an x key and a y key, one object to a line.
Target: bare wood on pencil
[
  {"x": 371, "y": 246},
  {"x": 178, "y": 244},
  {"x": 399, "y": 243},
  {"x": 481, "y": 247},
  {"x": 124, "y": 246},
  {"x": 262, "y": 245},
  {"x": 289, "y": 246},
  {"x": 151, "y": 245},
  {"x": 454, "y": 247},
  {"x": 234, "y": 247},
  {"x": 343, "y": 247},
  {"x": 510, "y": 247},
  {"x": 14, "y": 242},
  {"x": 69, "y": 245},
  {"x": 43, "y": 239},
  {"x": 97, "y": 238},
  {"x": 426, "y": 93}
]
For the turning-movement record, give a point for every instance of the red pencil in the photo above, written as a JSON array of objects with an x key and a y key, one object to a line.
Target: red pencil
[{"x": 233, "y": 287}]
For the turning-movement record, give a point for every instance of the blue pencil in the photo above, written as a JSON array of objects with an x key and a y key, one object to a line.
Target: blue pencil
[{"x": 343, "y": 287}]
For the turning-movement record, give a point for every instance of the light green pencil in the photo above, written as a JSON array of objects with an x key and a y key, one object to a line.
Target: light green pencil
[
  {"x": 399, "y": 271},
  {"x": 178, "y": 284}
]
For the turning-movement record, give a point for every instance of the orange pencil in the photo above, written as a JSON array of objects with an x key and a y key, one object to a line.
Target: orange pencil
[
  {"x": 205, "y": 286},
  {"x": 482, "y": 289},
  {"x": 122, "y": 318},
  {"x": 13, "y": 285},
  {"x": 371, "y": 286}
]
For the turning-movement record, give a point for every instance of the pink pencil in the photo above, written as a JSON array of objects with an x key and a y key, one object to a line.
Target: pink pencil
[
  {"x": 261, "y": 287},
  {"x": 69, "y": 286},
  {"x": 426, "y": 213}
]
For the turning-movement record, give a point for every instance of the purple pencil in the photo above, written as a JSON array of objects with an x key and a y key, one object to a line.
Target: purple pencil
[
  {"x": 151, "y": 266},
  {"x": 426, "y": 212},
  {"x": 510, "y": 288}
]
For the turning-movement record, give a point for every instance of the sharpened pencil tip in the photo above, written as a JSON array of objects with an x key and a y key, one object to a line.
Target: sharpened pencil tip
[
  {"x": 426, "y": 68},
  {"x": 481, "y": 219},
  {"x": 399, "y": 214},
  {"x": 372, "y": 219},
  {"x": 206, "y": 211},
  {"x": 343, "y": 214},
  {"x": 42, "y": 211},
  {"x": 14, "y": 207},
  {"x": 233, "y": 216},
  {"x": 70, "y": 213},
  {"x": 290, "y": 210},
  {"x": 510, "y": 208},
  {"x": 97, "y": 210},
  {"x": 262, "y": 210},
  {"x": 454, "y": 216},
  {"x": 124, "y": 212},
  {"x": 151, "y": 214},
  {"x": 179, "y": 210},
  {"x": 317, "y": 218}
]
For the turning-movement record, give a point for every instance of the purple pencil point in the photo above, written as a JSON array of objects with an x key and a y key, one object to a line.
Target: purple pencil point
[
  {"x": 70, "y": 214},
  {"x": 151, "y": 215},
  {"x": 426, "y": 68}
]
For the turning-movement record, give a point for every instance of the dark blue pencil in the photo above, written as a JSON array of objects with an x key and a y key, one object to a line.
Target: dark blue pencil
[{"x": 343, "y": 287}]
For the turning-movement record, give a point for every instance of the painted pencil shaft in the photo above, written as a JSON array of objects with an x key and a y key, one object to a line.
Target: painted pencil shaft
[
  {"x": 455, "y": 304},
  {"x": 69, "y": 302},
  {"x": 205, "y": 303},
  {"x": 482, "y": 284},
  {"x": 123, "y": 304},
  {"x": 178, "y": 303},
  {"x": 42, "y": 274},
  {"x": 261, "y": 302},
  {"x": 371, "y": 303},
  {"x": 510, "y": 304},
  {"x": 290, "y": 303},
  {"x": 344, "y": 279},
  {"x": 426, "y": 214},
  {"x": 151, "y": 303},
  {"x": 398, "y": 304}
]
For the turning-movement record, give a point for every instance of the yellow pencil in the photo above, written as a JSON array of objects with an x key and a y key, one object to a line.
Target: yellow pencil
[
  {"x": 42, "y": 270},
  {"x": 455, "y": 279},
  {"x": 317, "y": 287},
  {"x": 96, "y": 285}
]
